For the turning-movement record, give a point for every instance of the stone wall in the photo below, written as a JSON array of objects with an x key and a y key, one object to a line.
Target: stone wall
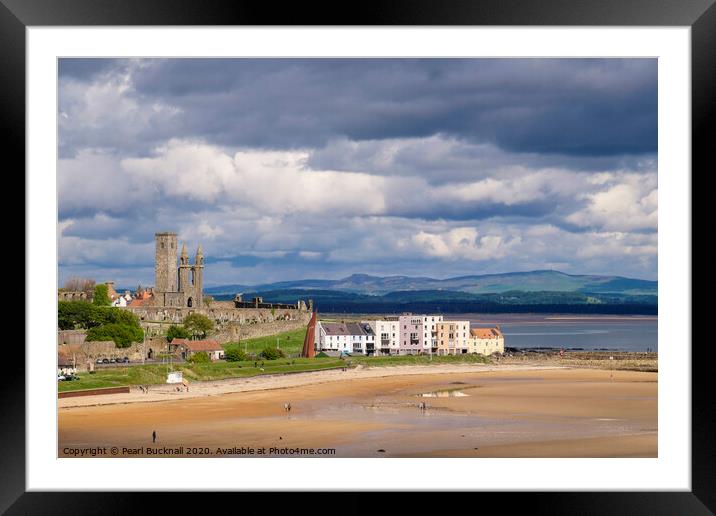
[
  {"x": 91, "y": 351},
  {"x": 230, "y": 322},
  {"x": 71, "y": 336},
  {"x": 72, "y": 296}
]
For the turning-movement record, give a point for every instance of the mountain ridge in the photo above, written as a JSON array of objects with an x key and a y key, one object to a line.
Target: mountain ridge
[{"x": 544, "y": 280}]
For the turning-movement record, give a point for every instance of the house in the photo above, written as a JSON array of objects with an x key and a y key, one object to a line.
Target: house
[
  {"x": 123, "y": 300},
  {"x": 120, "y": 302},
  {"x": 411, "y": 334},
  {"x": 186, "y": 348},
  {"x": 386, "y": 334},
  {"x": 345, "y": 337},
  {"x": 452, "y": 337},
  {"x": 430, "y": 332},
  {"x": 363, "y": 338},
  {"x": 486, "y": 341}
]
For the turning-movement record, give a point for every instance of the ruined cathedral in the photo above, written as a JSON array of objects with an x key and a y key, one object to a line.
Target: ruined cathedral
[{"x": 180, "y": 287}]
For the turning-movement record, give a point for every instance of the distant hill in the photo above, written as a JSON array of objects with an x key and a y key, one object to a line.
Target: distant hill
[{"x": 533, "y": 281}]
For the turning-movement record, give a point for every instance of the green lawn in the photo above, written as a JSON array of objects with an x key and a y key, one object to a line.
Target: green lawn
[
  {"x": 289, "y": 342},
  {"x": 152, "y": 374}
]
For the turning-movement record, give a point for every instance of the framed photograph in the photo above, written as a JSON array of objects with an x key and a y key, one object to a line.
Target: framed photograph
[{"x": 421, "y": 249}]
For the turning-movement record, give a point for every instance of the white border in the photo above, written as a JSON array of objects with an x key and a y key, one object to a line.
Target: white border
[{"x": 670, "y": 471}]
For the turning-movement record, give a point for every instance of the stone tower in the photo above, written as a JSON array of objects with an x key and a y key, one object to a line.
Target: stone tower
[
  {"x": 165, "y": 262},
  {"x": 184, "y": 271},
  {"x": 199, "y": 277}
]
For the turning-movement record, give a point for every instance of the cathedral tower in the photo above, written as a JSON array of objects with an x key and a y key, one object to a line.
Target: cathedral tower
[
  {"x": 165, "y": 262},
  {"x": 199, "y": 277},
  {"x": 184, "y": 271}
]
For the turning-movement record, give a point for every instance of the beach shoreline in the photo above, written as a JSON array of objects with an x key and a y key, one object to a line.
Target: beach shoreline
[{"x": 169, "y": 392}]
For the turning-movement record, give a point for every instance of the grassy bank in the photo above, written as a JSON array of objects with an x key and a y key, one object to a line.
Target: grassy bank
[
  {"x": 156, "y": 374},
  {"x": 290, "y": 342}
]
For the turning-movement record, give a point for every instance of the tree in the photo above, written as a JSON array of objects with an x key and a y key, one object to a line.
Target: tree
[
  {"x": 272, "y": 353},
  {"x": 101, "y": 296},
  {"x": 122, "y": 334},
  {"x": 177, "y": 332},
  {"x": 198, "y": 324},
  {"x": 199, "y": 358},
  {"x": 235, "y": 355},
  {"x": 80, "y": 315}
]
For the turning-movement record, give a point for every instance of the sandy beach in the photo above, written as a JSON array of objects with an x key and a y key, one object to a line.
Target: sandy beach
[{"x": 471, "y": 411}]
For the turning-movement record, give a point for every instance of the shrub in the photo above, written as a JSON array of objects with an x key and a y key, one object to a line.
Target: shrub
[
  {"x": 235, "y": 355},
  {"x": 177, "y": 332},
  {"x": 122, "y": 334},
  {"x": 79, "y": 314},
  {"x": 199, "y": 358},
  {"x": 272, "y": 353},
  {"x": 101, "y": 296}
]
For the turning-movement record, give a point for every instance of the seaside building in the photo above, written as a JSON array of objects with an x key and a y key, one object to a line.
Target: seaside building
[
  {"x": 452, "y": 337},
  {"x": 185, "y": 348},
  {"x": 345, "y": 337},
  {"x": 387, "y": 335},
  {"x": 418, "y": 333},
  {"x": 430, "y": 333},
  {"x": 408, "y": 334},
  {"x": 411, "y": 334},
  {"x": 486, "y": 341}
]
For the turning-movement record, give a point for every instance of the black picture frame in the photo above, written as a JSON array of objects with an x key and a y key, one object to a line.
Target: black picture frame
[{"x": 700, "y": 15}]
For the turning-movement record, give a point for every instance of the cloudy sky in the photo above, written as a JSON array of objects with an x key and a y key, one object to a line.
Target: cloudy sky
[{"x": 320, "y": 168}]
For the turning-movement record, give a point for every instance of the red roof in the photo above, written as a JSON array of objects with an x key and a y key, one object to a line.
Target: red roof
[
  {"x": 202, "y": 345},
  {"x": 485, "y": 333}
]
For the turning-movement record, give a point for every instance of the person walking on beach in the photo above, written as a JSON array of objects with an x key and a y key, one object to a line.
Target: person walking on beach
[{"x": 154, "y": 436}]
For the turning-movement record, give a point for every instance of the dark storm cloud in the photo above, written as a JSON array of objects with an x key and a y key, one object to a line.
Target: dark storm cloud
[{"x": 586, "y": 107}]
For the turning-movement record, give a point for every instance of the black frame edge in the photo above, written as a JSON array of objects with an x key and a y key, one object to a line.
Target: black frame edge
[
  {"x": 703, "y": 125},
  {"x": 15, "y": 15},
  {"x": 12, "y": 135}
]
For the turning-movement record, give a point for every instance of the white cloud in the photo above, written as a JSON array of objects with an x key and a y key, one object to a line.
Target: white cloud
[
  {"x": 628, "y": 205},
  {"x": 461, "y": 243}
]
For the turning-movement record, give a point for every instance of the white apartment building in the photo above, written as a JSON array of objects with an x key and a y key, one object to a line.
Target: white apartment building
[
  {"x": 430, "y": 337},
  {"x": 345, "y": 337},
  {"x": 387, "y": 336}
]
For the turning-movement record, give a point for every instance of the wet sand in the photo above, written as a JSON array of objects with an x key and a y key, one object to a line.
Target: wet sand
[{"x": 471, "y": 412}]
